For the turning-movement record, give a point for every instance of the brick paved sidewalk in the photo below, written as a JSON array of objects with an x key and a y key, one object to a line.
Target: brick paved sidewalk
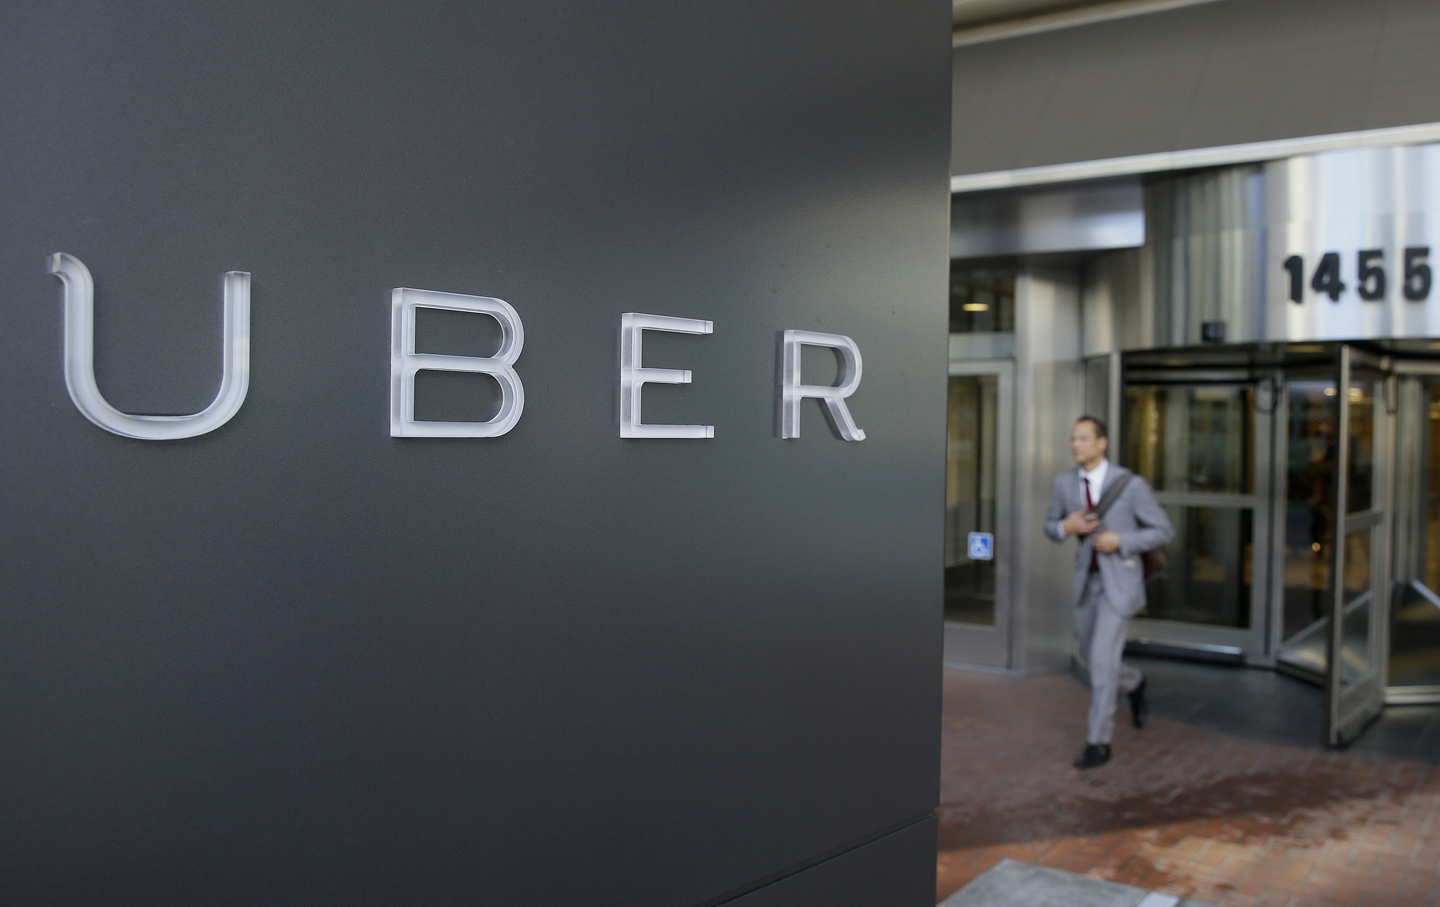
[{"x": 1182, "y": 810}]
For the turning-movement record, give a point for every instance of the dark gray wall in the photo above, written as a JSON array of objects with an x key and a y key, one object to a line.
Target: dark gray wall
[
  {"x": 296, "y": 661},
  {"x": 1221, "y": 73}
]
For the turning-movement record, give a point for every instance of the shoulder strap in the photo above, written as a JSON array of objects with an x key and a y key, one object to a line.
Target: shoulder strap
[{"x": 1112, "y": 493}]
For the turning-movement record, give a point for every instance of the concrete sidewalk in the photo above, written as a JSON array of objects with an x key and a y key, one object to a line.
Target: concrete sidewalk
[
  {"x": 1181, "y": 810},
  {"x": 1013, "y": 884}
]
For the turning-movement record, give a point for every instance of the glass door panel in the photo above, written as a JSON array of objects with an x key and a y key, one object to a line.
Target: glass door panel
[
  {"x": 1209, "y": 577},
  {"x": 1309, "y": 501},
  {"x": 1359, "y": 613},
  {"x": 1191, "y": 438},
  {"x": 1431, "y": 471},
  {"x": 1414, "y": 665},
  {"x": 1415, "y": 645},
  {"x": 978, "y": 512},
  {"x": 1360, "y": 473},
  {"x": 1197, "y": 445},
  {"x": 1310, "y": 415},
  {"x": 1358, "y": 600},
  {"x": 970, "y": 497}
]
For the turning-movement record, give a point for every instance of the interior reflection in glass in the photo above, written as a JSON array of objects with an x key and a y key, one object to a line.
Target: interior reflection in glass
[
  {"x": 1309, "y": 502},
  {"x": 1195, "y": 438},
  {"x": 1360, "y": 495},
  {"x": 1209, "y": 577},
  {"x": 1359, "y": 603},
  {"x": 1415, "y": 612}
]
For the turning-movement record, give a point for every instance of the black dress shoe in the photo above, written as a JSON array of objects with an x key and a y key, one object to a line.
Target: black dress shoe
[
  {"x": 1139, "y": 708},
  {"x": 1095, "y": 754}
]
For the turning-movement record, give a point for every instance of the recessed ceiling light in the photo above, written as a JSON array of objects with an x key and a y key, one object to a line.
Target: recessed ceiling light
[{"x": 976, "y": 307}]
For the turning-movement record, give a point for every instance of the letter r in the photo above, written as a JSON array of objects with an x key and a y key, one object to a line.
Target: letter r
[{"x": 793, "y": 392}]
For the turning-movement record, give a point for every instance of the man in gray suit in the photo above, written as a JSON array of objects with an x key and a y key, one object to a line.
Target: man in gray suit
[{"x": 1109, "y": 582}]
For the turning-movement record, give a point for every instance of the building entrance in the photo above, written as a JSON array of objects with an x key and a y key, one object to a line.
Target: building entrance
[
  {"x": 1304, "y": 486},
  {"x": 1263, "y": 338}
]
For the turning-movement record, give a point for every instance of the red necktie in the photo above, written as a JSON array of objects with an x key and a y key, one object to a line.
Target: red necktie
[{"x": 1090, "y": 505}]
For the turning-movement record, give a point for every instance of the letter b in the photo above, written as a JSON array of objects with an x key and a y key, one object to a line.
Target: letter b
[{"x": 405, "y": 362}]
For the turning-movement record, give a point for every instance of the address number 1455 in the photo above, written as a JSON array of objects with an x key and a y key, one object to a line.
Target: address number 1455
[{"x": 1370, "y": 275}]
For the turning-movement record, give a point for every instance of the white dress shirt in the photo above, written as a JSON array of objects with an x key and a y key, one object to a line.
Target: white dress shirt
[{"x": 1096, "y": 479}]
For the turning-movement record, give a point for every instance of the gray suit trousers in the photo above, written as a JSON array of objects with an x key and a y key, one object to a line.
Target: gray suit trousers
[{"x": 1101, "y": 629}]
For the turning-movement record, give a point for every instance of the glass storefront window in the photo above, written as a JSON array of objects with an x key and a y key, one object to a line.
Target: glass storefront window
[
  {"x": 982, "y": 300},
  {"x": 1209, "y": 578},
  {"x": 1191, "y": 438},
  {"x": 970, "y": 497}
]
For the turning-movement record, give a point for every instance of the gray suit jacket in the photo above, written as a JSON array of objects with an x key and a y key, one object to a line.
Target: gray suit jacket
[{"x": 1135, "y": 516}]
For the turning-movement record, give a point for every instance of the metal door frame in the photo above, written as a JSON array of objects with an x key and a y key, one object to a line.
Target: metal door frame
[
  {"x": 1349, "y": 710},
  {"x": 974, "y": 645}
]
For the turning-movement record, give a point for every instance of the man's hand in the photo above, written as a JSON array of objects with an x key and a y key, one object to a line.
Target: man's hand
[
  {"x": 1080, "y": 523},
  {"x": 1107, "y": 542}
]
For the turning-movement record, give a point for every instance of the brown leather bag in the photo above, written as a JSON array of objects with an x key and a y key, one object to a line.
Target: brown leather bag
[{"x": 1157, "y": 560}]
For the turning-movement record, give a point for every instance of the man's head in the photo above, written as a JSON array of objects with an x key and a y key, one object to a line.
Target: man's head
[{"x": 1088, "y": 441}]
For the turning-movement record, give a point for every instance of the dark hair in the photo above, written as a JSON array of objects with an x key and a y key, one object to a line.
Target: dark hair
[{"x": 1100, "y": 430}]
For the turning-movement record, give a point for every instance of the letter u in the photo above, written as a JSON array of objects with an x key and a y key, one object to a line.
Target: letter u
[{"x": 80, "y": 360}]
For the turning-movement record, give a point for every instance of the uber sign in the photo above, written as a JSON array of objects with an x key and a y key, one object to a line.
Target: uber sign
[{"x": 406, "y": 362}]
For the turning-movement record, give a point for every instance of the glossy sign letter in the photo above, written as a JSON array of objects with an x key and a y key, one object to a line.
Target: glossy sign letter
[
  {"x": 634, "y": 376},
  {"x": 80, "y": 360},
  {"x": 792, "y": 392},
  {"x": 405, "y": 362}
]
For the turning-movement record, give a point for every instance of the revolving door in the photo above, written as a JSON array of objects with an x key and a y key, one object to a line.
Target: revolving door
[{"x": 1279, "y": 471}]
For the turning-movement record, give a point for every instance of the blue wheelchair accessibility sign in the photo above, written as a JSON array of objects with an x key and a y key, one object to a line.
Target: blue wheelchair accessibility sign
[{"x": 981, "y": 547}]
